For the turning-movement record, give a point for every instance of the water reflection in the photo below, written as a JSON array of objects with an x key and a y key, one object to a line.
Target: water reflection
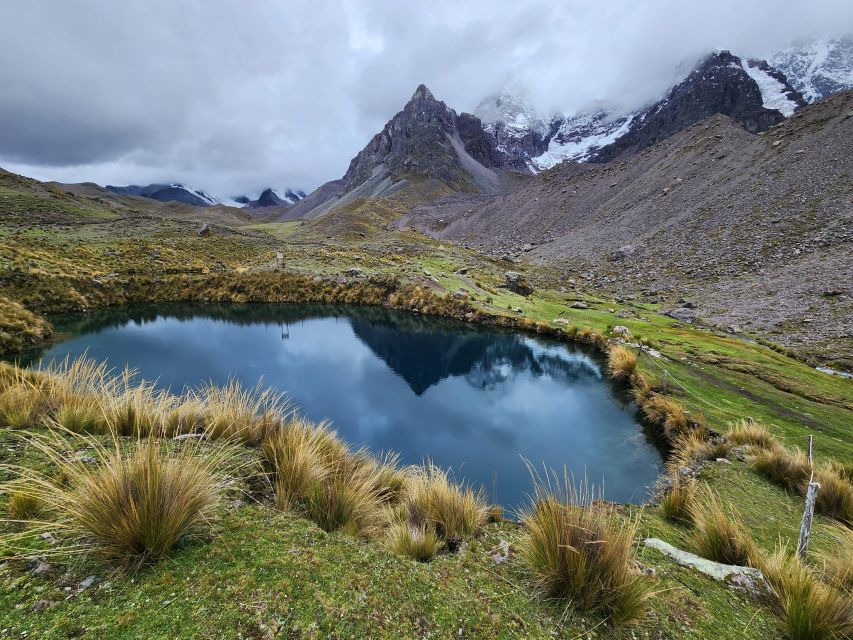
[{"x": 474, "y": 400}]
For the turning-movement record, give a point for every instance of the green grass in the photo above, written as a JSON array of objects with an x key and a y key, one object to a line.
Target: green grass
[{"x": 267, "y": 572}]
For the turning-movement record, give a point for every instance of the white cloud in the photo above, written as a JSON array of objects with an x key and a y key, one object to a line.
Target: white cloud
[{"x": 232, "y": 97}]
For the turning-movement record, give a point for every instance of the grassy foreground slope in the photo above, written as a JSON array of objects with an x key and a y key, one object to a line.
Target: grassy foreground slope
[{"x": 269, "y": 574}]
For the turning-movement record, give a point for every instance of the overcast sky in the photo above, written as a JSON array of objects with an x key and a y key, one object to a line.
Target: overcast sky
[{"x": 233, "y": 96}]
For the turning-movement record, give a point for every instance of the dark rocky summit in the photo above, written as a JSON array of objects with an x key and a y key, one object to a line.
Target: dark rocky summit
[
  {"x": 425, "y": 139},
  {"x": 718, "y": 85}
]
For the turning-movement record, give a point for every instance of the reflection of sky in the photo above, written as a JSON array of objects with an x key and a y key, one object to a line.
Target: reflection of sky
[{"x": 479, "y": 424}]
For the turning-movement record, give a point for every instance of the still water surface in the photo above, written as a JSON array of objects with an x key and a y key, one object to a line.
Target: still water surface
[{"x": 477, "y": 401}]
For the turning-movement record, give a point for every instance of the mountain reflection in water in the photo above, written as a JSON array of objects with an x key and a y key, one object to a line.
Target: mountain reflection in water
[{"x": 477, "y": 401}]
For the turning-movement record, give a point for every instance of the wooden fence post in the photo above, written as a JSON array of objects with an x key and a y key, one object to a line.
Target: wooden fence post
[{"x": 808, "y": 514}]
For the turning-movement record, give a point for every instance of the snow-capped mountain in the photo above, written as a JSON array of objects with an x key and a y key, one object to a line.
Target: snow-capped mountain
[
  {"x": 816, "y": 68},
  {"x": 579, "y": 136},
  {"x": 168, "y": 193},
  {"x": 181, "y": 193},
  {"x": 275, "y": 198},
  {"x": 520, "y": 133},
  {"x": 751, "y": 92}
]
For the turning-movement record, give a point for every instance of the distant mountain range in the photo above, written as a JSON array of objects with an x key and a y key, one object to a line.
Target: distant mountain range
[
  {"x": 461, "y": 152},
  {"x": 167, "y": 193},
  {"x": 181, "y": 193}
]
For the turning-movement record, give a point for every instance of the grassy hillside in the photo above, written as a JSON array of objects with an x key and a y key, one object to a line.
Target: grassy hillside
[{"x": 264, "y": 573}]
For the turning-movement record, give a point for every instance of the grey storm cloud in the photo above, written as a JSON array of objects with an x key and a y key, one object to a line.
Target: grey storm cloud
[{"x": 235, "y": 96}]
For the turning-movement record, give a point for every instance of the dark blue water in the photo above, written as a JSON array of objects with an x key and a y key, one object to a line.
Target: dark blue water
[{"x": 477, "y": 401}]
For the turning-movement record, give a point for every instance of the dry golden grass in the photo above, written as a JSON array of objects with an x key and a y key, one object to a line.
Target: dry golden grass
[
  {"x": 296, "y": 457},
  {"x": 667, "y": 413},
  {"x": 786, "y": 468},
  {"x": 454, "y": 511},
  {"x": 835, "y": 496},
  {"x": 749, "y": 432},
  {"x": 581, "y": 554},
  {"x": 621, "y": 362},
  {"x": 316, "y": 475},
  {"x": 348, "y": 502},
  {"x": 420, "y": 543},
  {"x": 691, "y": 447},
  {"x": 811, "y": 610},
  {"x": 136, "y": 503},
  {"x": 248, "y": 415},
  {"x": 24, "y": 505},
  {"x": 21, "y": 406},
  {"x": 721, "y": 536},
  {"x": 678, "y": 503},
  {"x": 838, "y": 561}
]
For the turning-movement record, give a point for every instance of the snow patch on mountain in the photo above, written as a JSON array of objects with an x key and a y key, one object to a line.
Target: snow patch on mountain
[
  {"x": 198, "y": 193},
  {"x": 774, "y": 94},
  {"x": 580, "y": 135},
  {"x": 512, "y": 110},
  {"x": 818, "y": 67},
  {"x": 289, "y": 195}
]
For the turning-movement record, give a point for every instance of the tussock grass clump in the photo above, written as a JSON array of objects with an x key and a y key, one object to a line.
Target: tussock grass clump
[
  {"x": 692, "y": 447},
  {"x": 420, "y": 543},
  {"x": 621, "y": 362},
  {"x": 582, "y": 554},
  {"x": 678, "y": 503},
  {"x": 455, "y": 511},
  {"x": 754, "y": 434},
  {"x": 349, "y": 503},
  {"x": 719, "y": 536},
  {"x": 838, "y": 562},
  {"x": 842, "y": 469},
  {"x": 811, "y": 610},
  {"x": 590, "y": 336},
  {"x": 23, "y": 505},
  {"x": 137, "y": 502},
  {"x": 81, "y": 414},
  {"x": 131, "y": 408},
  {"x": 835, "y": 496},
  {"x": 786, "y": 468},
  {"x": 21, "y": 406},
  {"x": 296, "y": 456},
  {"x": 316, "y": 475},
  {"x": 247, "y": 415},
  {"x": 667, "y": 413}
]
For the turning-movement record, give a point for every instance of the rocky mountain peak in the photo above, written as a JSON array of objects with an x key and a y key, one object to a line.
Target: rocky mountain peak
[
  {"x": 751, "y": 93},
  {"x": 425, "y": 139},
  {"x": 422, "y": 93}
]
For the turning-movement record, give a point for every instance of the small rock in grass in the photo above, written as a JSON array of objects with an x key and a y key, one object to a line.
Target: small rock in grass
[
  {"x": 502, "y": 553},
  {"x": 724, "y": 460},
  {"x": 41, "y": 605},
  {"x": 580, "y": 305},
  {"x": 48, "y": 537},
  {"x": 88, "y": 582},
  {"x": 40, "y": 568}
]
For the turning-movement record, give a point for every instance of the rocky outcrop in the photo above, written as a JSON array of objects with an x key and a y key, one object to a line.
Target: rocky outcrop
[{"x": 479, "y": 143}]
